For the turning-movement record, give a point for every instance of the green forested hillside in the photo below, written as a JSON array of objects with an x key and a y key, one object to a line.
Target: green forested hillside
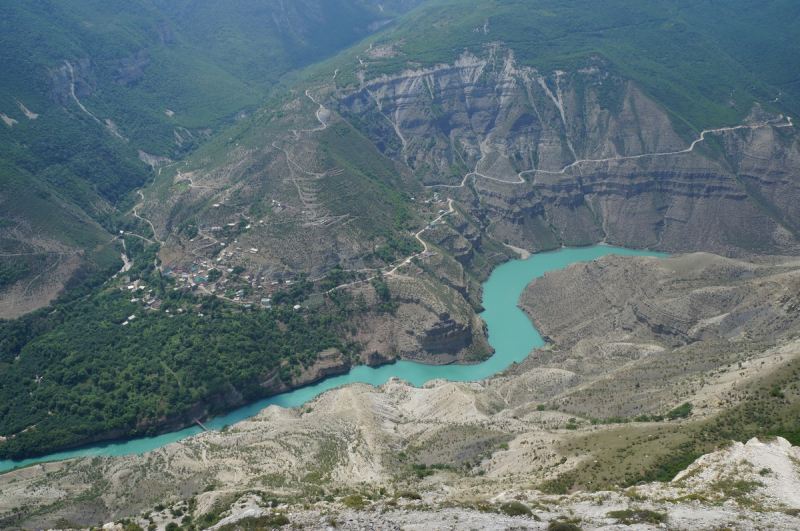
[
  {"x": 259, "y": 41},
  {"x": 85, "y": 366},
  {"x": 132, "y": 61}
]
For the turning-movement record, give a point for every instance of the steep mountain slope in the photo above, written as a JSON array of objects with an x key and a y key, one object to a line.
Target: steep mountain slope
[
  {"x": 592, "y": 158},
  {"x": 542, "y": 144},
  {"x": 681, "y": 54},
  {"x": 154, "y": 67},
  {"x": 534, "y": 158},
  {"x": 94, "y": 92},
  {"x": 260, "y": 41},
  {"x": 47, "y": 242},
  {"x": 600, "y": 111}
]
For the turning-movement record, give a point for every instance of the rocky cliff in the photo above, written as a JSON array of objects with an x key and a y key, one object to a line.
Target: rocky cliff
[
  {"x": 433, "y": 324},
  {"x": 530, "y": 159},
  {"x": 579, "y": 157},
  {"x": 672, "y": 301}
]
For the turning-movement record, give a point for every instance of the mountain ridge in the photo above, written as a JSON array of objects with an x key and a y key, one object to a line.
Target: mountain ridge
[{"x": 367, "y": 197}]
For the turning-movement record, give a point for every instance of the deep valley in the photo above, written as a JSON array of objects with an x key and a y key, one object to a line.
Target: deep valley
[{"x": 201, "y": 207}]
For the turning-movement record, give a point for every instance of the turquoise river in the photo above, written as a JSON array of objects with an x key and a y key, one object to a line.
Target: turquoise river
[{"x": 510, "y": 333}]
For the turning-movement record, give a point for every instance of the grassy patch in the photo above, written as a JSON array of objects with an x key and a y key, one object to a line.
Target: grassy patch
[
  {"x": 637, "y": 516},
  {"x": 259, "y": 523},
  {"x": 515, "y": 508},
  {"x": 354, "y": 501},
  {"x": 564, "y": 525}
]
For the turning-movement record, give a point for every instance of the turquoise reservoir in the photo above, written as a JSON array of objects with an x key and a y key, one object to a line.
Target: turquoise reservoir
[{"x": 510, "y": 333}]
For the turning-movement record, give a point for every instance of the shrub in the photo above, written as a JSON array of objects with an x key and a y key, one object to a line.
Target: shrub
[
  {"x": 776, "y": 392},
  {"x": 639, "y": 516},
  {"x": 260, "y": 523},
  {"x": 564, "y": 526},
  {"x": 354, "y": 501},
  {"x": 515, "y": 508},
  {"x": 680, "y": 412},
  {"x": 422, "y": 470}
]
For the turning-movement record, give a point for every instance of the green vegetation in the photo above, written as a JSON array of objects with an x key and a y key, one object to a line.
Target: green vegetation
[
  {"x": 11, "y": 273},
  {"x": 257, "y": 523},
  {"x": 737, "y": 489},
  {"x": 515, "y": 508},
  {"x": 422, "y": 470},
  {"x": 564, "y": 525},
  {"x": 370, "y": 185},
  {"x": 776, "y": 392},
  {"x": 394, "y": 248},
  {"x": 681, "y": 412},
  {"x": 214, "y": 275},
  {"x": 638, "y": 516},
  {"x": 336, "y": 277},
  {"x": 96, "y": 363},
  {"x": 385, "y": 302},
  {"x": 39, "y": 211},
  {"x": 558, "y": 485},
  {"x": 408, "y": 495},
  {"x": 702, "y": 61},
  {"x": 298, "y": 292},
  {"x": 133, "y": 60},
  {"x": 354, "y": 501}
]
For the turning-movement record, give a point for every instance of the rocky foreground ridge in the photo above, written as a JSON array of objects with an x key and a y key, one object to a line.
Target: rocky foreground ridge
[
  {"x": 698, "y": 498},
  {"x": 576, "y": 431}
]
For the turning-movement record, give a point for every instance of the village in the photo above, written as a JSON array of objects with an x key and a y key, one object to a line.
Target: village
[
  {"x": 249, "y": 291},
  {"x": 223, "y": 268}
]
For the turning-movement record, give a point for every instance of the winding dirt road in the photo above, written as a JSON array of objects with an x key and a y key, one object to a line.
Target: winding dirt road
[
  {"x": 407, "y": 260},
  {"x": 136, "y": 215},
  {"x": 610, "y": 159}
]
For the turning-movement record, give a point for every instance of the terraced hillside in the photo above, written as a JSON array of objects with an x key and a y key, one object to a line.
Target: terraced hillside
[{"x": 96, "y": 96}]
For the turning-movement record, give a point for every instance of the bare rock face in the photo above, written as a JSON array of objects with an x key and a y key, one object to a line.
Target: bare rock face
[
  {"x": 328, "y": 363},
  {"x": 672, "y": 301},
  {"x": 69, "y": 77},
  {"x": 431, "y": 325},
  {"x": 580, "y": 157},
  {"x": 131, "y": 69}
]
